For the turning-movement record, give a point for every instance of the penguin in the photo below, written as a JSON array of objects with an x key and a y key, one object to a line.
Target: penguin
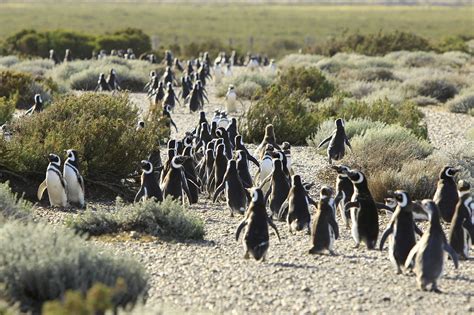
[
  {"x": 194, "y": 99},
  {"x": 286, "y": 148},
  {"x": 174, "y": 182},
  {"x": 282, "y": 157},
  {"x": 364, "y": 212},
  {"x": 167, "y": 114},
  {"x": 68, "y": 55},
  {"x": 218, "y": 72},
  {"x": 189, "y": 68},
  {"x": 112, "y": 81},
  {"x": 102, "y": 84},
  {"x": 297, "y": 203},
  {"x": 337, "y": 141},
  {"x": 269, "y": 138},
  {"x": 272, "y": 67},
  {"x": 344, "y": 192},
  {"x": 228, "y": 71},
  {"x": 152, "y": 84},
  {"x": 243, "y": 168},
  {"x": 279, "y": 189},
  {"x": 446, "y": 195},
  {"x": 177, "y": 65},
  {"x": 232, "y": 131},
  {"x": 53, "y": 57},
  {"x": 168, "y": 76},
  {"x": 189, "y": 167},
  {"x": 167, "y": 166},
  {"x": 419, "y": 214},
  {"x": 256, "y": 239},
  {"x": 149, "y": 185},
  {"x": 209, "y": 168},
  {"x": 220, "y": 167},
  {"x": 140, "y": 125},
  {"x": 37, "y": 106},
  {"x": 54, "y": 183},
  {"x": 168, "y": 58},
  {"x": 185, "y": 89},
  {"x": 401, "y": 230},
  {"x": 234, "y": 189},
  {"x": 170, "y": 97},
  {"x": 266, "y": 167},
  {"x": 222, "y": 133},
  {"x": 73, "y": 178},
  {"x": 429, "y": 251},
  {"x": 253, "y": 63},
  {"x": 239, "y": 145},
  {"x": 223, "y": 121},
  {"x": 325, "y": 229},
  {"x": 231, "y": 99},
  {"x": 461, "y": 231},
  {"x": 158, "y": 95}
]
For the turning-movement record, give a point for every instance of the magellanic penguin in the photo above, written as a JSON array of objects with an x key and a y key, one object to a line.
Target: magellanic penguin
[
  {"x": 446, "y": 195},
  {"x": 401, "y": 231},
  {"x": 243, "y": 168},
  {"x": 298, "y": 202},
  {"x": 37, "y": 106},
  {"x": 174, "y": 183},
  {"x": 234, "y": 189},
  {"x": 149, "y": 184},
  {"x": 337, "y": 141},
  {"x": 220, "y": 167},
  {"x": 231, "y": 99},
  {"x": 429, "y": 251},
  {"x": 286, "y": 148},
  {"x": 73, "y": 178},
  {"x": 269, "y": 138},
  {"x": 344, "y": 191},
  {"x": 265, "y": 169},
  {"x": 112, "y": 81},
  {"x": 325, "y": 230},
  {"x": 461, "y": 232},
  {"x": 364, "y": 212},
  {"x": 256, "y": 238},
  {"x": 279, "y": 189},
  {"x": 102, "y": 84},
  {"x": 54, "y": 183},
  {"x": 239, "y": 145}
]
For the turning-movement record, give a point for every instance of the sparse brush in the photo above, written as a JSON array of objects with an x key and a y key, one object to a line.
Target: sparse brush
[
  {"x": 424, "y": 100},
  {"x": 309, "y": 81},
  {"x": 439, "y": 88},
  {"x": 247, "y": 84},
  {"x": 360, "y": 89},
  {"x": 7, "y": 108},
  {"x": 8, "y": 61},
  {"x": 37, "y": 67},
  {"x": 461, "y": 103},
  {"x": 167, "y": 219},
  {"x": 12, "y": 206},
  {"x": 42, "y": 268},
  {"x": 299, "y": 60}
]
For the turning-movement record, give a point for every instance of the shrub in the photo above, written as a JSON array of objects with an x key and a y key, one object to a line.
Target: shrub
[
  {"x": 452, "y": 43},
  {"x": 11, "y": 206},
  {"x": 124, "y": 39},
  {"x": 375, "y": 74},
  {"x": 36, "y": 67},
  {"x": 440, "y": 89},
  {"x": 42, "y": 268},
  {"x": 424, "y": 100},
  {"x": 165, "y": 219},
  {"x": 247, "y": 84},
  {"x": 25, "y": 87},
  {"x": 309, "y": 81},
  {"x": 461, "y": 103},
  {"x": 299, "y": 60},
  {"x": 100, "y": 126},
  {"x": 8, "y": 61},
  {"x": 288, "y": 110},
  {"x": 360, "y": 89},
  {"x": 7, "y": 108}
]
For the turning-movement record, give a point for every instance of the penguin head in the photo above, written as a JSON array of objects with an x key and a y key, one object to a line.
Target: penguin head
[
  {"x": 202, "y": 115},
  {"x": 54, "y": 159},
  {"x": 448, "y": 172},
  {"x": 231, "y": 87},
  {"x": 257, "y": 197},
  {"x": 402, "y": 198},
  {"x": 285, "y": 146},
  {"x": 38, "y": 98},
  {"x": 101, "y": 76},
  {"x": 220, "y": 149},
  {"x": 390, "y": 202},
  {"x": 278, "y": 155},
  {"x": 430, "y": 208},
  {"x": 187, "y": 151},
  {"x": 239, "y": 139},
  {"x": 210, "y": 145},
  {"x": 463, "y": 187},
  {"x": 147, "y": 167},
  {"x": 277, "y": 164},
  {"x": 152, "y": 74},
  {"x": 233, "y": 121},
  {"x": 341, "y": 169},
  {"x": 72, "y": 155},
  {"x": 296, "y": 180},
  {"x": 172, "y": 144},
  {"x": 325, "y": 193},
  {"x": 168, "y": 86},
  {"x": 339, "y": 123},
  {"x": 231, "y": 164},
  {"x": 240, "y": 155},
  {"x": 112, "y": 71},
  {"x": 221, "y": 132},
  {"x": 356, "y": 176},
  {"x": 140, "y": 124},
  {"x": 160, "y": 85},
  {"x": 178, "y": 161},
  {"x": 167, "y": 108}
]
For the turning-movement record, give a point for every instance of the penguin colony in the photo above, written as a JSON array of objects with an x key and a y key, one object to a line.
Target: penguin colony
[{"x": 212, "y": 161}]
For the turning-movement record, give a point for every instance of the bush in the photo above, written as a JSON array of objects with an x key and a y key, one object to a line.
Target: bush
[
  {"x": 165, "y": 219},
  {"x": 461, "y": 103},
  {"x": 124, "y": 39},
  {"x": 440, "y": 89},
  {"x": 452, "y": 43},
  {"x": 247, "y": 84},
  {"x": 299, "y": 60},
  {"x": 375, "y": 74},
  {"x": 25, "y": 87},
  {"x": 310, "y": 81},
  {"x": 36, "y": 67},
  {"x": 7, "y": 109},
  {"x": 287, "y": 109},
  {"x": 8, "y": 61},
  {"x": 424, "y": 101},
  {"x": 100, "y": 126},
  {"x": 42, "y": 268},
  {"x": 11, "y": 206}
]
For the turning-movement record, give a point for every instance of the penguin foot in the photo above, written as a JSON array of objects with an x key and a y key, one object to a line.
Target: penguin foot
[
  {"x": 434, "y": 288},
  {"x": 332, "y": 253},
  {"x": 246, "y": 255}
]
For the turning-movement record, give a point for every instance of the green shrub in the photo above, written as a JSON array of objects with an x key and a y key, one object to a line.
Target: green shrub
[
  {"x": 124, "y": 39},
  {"x": 25, "y": 87},
  {"x": 11, "y": 206},
  {"x": 42, "y": 268},
  {"x": 247, "y": 84},
  {"x": 440, "y": 89},
  {"x": 461, "y": 103},
  {"x": 309, "y": 81},
  {"x": 165, "y": 219},
  {"x": 452, "y": 43},
  {"x": 100, "y": 126},
  {"x": 7, "y": 109},
  {"x": 375, "y": 74},
  {"x": 288, "y": 110}
]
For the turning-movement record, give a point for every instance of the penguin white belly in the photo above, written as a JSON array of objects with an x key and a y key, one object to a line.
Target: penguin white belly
[
  {"x": 355, "y": 230},
  {"x": 332, "y": 237},
  {"x": 467, "y": 242},
  {"x": 56, "y": 192},
  {"x": 391, "y": 248},
  {"x": 74, "y": 188},
  {"x": 231, "y": 102},
  {"x": 341, "y": 205},
  {"x": 223, "y": 123}
]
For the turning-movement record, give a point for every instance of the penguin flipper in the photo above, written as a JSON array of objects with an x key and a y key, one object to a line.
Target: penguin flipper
[
  {"x": 351, "y": 204},
  {"x": 382, "y": 206},
  {"x": 242, "y": 224},
  {"x": 338, "y": 198},
  {"x": 268, "y": 178},
  {"x": 270, "y": 222},
  {"x": 139, "y": 195},
  {"x": 268, "y": 194},
  {"x": 218, "y": 191},
  {"x": 42, "y": 187},
  {"x": 417, "y": 229},
  {"x": 452, "y": 254},
  {"x": 282, "y": 208},
  {"x": 335, "y": 227},
  {"x": 411, "y": 255},
  {"x": 325, "y": 141},
  {"x": 311, "y": 201},
  {"x": 385, "y": 234},
  {"x": 252, "y": 159}
]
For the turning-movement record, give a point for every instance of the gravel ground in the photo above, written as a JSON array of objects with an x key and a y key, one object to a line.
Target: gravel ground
[{"x": 212, "y": 276}]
